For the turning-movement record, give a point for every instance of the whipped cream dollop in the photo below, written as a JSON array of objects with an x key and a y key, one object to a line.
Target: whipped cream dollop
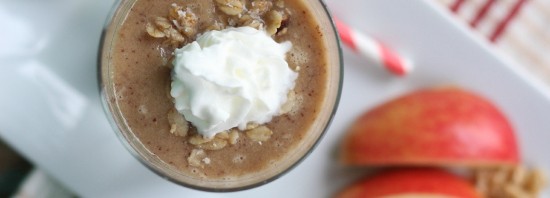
[{"x": 230, "y": 78}]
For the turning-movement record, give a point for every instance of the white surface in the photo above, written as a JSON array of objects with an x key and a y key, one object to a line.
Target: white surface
[
  {"x": 38, "y": 184},
  {"x": 50, "y": 109}
]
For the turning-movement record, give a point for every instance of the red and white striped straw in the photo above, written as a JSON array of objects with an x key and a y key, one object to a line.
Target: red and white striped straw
[{"x": 373, "y": 50}]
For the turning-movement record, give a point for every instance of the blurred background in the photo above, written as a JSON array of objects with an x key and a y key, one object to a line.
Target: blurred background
[{"x": 520, "y": 29}]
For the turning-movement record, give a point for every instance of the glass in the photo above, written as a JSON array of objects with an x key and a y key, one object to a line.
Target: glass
[{"x": 138, "y": 149}]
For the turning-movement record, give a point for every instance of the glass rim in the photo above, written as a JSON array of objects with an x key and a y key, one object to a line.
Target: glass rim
[{"x": 124, "y": 138}]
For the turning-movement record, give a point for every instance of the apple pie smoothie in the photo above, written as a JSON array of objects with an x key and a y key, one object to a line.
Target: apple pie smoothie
[{"x": 155, "y": 75}]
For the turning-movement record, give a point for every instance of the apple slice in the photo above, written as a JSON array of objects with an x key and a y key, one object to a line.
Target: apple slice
[
  {"x": 411, "y": 183},
  {"x": 439, "y": 126}
]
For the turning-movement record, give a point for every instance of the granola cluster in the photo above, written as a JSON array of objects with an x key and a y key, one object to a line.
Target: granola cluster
[
  {"x": 259, "y": 14},
  {"x": 181, "y": 26},
  {"x": 180, "y": 127},
  {"x": 511, "y": 182},
  {"x": 199, "y": 157}
]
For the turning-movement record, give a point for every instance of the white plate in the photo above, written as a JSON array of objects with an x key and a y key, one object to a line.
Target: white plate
[{"x": 50, "y": 109}]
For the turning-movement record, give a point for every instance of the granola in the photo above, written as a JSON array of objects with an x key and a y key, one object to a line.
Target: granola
[
  {"x": 274, "y": 20},
  {"x": 251, "y": 21},
  {"x": 181, "y": 25},
  {"x": 196, "y": 157},
  {"x": 233, "y": 137},
  {"x": 260, "y": 7},
  {"x": 185, "y": 21},
  {"x": 512, "y": 182},
  {"x": 215, "y": 144},
  {"x": 178, "y": 125},
  {"x": 259, "y": 134},
  {"x": 216, "y": 26},
  {"x": 231, "y": 7},
  {"x": 280, "y": 3}
]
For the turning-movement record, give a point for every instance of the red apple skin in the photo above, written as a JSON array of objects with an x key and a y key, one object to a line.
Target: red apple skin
[
  {"x": 411, "y": 181},
  {"x": 438, "y": 126}
]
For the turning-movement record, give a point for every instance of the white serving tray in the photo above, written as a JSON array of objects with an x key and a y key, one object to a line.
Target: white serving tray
[{"x": 50, "y": 109}]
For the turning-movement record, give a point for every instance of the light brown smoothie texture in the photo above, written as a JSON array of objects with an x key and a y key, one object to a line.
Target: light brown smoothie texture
[{"x": 142, "y": 77}]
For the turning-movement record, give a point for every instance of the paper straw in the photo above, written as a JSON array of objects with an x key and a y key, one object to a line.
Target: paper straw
[{"x": 373, "y": 50}]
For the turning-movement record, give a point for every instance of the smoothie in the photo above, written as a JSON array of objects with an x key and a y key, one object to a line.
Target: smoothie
[{"x": 141, "y": 69}]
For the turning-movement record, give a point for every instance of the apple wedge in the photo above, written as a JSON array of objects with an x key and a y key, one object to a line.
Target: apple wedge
[
  {"x": 408, "y": 183},
  {"x": 445, "y": 126}
]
